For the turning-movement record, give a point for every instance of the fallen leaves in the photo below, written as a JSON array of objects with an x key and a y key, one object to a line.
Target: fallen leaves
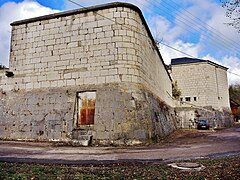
[{"x": 216, "y": 168}]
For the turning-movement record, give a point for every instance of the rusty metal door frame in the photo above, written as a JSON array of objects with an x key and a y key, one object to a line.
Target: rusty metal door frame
[{"x": 85, "y": 112}]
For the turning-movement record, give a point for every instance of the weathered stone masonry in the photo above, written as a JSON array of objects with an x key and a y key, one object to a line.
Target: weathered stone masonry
[{"x": 57, "y": 56}]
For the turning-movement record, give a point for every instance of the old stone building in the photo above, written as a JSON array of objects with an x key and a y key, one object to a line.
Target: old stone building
[
  {"x": 92, "y": 72},
  {"x": 204, "y": 92}
]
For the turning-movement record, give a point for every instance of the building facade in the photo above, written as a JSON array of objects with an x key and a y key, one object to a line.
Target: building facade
[
  {"x": 204, "y": 92},
  {"x": 94, "y": 69}
]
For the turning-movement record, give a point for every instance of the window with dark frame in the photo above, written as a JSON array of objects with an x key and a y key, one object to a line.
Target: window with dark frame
[{"x": 188, "y": 99}]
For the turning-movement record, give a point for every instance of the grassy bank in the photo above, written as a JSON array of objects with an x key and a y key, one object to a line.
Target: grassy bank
[{"x": 216, "y": 168}]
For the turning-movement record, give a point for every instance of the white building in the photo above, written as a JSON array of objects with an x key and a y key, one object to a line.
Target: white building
[{"x": 203, "y": 86}]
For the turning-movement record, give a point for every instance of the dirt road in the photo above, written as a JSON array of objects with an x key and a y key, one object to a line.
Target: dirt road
[{"x": 182, "y": 145}]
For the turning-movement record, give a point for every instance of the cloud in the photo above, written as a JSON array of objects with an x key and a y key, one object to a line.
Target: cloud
[
  {"x": 226, "y": 35},
  {"x": 219, "y": 41},
  {"x": 209, "y": 20},
  {"x": 231, "y": 62},
  {"x": 165, "y": 32},
  {"x": 213, "y": 38},
  {"x": 170, "y": 53},
  {"x": 10, "y": 12}
]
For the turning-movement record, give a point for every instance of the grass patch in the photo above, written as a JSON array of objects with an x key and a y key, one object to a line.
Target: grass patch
[{"x": 216, "y": 168}]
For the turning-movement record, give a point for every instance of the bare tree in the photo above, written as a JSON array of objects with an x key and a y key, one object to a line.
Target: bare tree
[
  {"x": 176, "y": 92},
  {"x": 234, "y": 92},
  {"x": 233, "y": 12},
  {"x": 2, "y": 66}
]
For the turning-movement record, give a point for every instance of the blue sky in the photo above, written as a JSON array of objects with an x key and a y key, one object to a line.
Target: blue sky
[
  {"x": 195, "y": 27},
  {"x": 53, "y": 4}
]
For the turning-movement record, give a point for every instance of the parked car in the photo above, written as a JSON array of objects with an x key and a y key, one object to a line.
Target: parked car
[{"x": 203, "y": 124}]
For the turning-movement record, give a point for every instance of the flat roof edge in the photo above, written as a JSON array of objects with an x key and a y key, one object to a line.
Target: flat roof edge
[
  {"x": 76, "y": 11},
  {"x": 204, "y": 61},
  {"x": 218, "y": 65}
]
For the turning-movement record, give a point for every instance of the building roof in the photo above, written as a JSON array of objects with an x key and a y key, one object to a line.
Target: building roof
[
  {"x": 234, "y": 103},
  {"x": 77, "y": 11},
  {"x": 186, "y": 60}
]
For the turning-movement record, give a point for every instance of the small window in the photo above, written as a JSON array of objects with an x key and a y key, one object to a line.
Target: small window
[
  {"x": 187, "y": 98},
  {"x": 195, "y": 98},
  {"x": 181, "y": 99}
]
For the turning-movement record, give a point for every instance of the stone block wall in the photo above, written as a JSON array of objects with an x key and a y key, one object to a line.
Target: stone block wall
[
  {"x": 96, "y": 49},
  {"x": 205, "y": 81},
  {"x": 153, "y": 74}
]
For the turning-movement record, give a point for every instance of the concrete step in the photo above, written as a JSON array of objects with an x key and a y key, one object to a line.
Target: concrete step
[
  {"x": 84, "y": 137},
  {"x": 75, "y": 142},
  {"x": 81, "y": 137}
]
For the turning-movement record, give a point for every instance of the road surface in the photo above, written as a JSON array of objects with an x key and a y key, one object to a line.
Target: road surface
[{"x": 182, "y": 145}]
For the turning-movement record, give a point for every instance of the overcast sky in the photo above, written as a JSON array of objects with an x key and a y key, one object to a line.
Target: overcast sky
[{"x": 195, "y": 27}]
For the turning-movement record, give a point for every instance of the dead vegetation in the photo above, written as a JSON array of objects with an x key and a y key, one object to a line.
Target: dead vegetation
[{"x": 216, "y": 168}]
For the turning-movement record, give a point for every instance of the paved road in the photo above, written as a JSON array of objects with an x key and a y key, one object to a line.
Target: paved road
[{"x": 180, "y": 146}]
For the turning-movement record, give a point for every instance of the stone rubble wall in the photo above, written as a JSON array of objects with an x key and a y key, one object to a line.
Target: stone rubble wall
[
  {"x": 188, "y": 117},
  {"x": 124, "y": 114}
]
